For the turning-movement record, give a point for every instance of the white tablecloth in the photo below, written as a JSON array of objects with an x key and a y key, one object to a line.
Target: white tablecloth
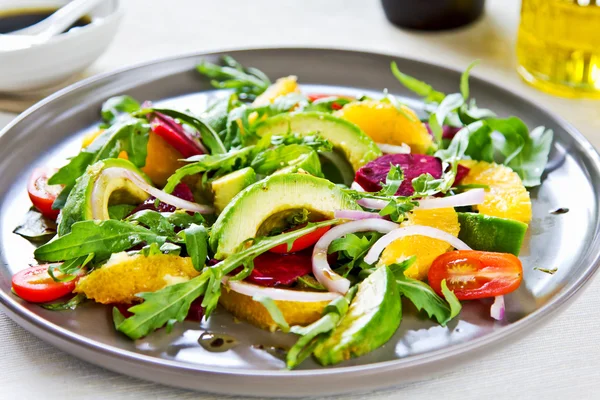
[{"x": 560, "y": 361}]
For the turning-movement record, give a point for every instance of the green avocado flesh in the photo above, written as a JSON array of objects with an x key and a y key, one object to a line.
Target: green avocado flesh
[
  {"x": 96, "y": 189},
  {"x": 226, "y": 187},
  {"x": 243, "y": 216},
  {"x": 372, "y": 319},
  {"x": 346, "y": 137},
  {"x": 483, "y": 232}
]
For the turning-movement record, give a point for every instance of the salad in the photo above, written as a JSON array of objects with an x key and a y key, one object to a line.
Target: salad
[{"x": 313, "y": 214}]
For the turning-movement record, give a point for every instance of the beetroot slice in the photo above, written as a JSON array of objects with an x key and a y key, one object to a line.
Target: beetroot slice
[
  {"x": 182, "y": 191},
  {"x": 272, "y": 269},
  {"x": 372, "y": 175},
  {"x": 461, "y": 173}
]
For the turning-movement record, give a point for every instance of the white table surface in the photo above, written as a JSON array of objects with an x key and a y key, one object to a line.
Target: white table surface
[{"x": 559, "y": 361}]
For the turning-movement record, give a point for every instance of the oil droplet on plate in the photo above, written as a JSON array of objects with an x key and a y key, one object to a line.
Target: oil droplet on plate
[{"x": 217, "y": 342}]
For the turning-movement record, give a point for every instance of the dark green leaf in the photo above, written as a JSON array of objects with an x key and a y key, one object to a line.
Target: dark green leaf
[
  {"x": 102, "y": 238},
  {"x": 36, "y": 228},
  {"x": 70, "y": 268},
  {"x": 424, "y": 298},
  {"x": 154, "y": 221},
  {"x": 271, "y": 160},
  {"x": 120, "y": 211},
  {"x": 116, "y": 105},
  {"x": 118, "y": 318},
  {"x": 245, "y": 81},
  {"x": 70, "y": 304},
  {"x": 196, "y": 244}
]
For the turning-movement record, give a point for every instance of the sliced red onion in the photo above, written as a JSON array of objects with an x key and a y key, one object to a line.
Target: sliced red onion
[
  {"x": 498, "y": 308},
  {"x": 355, "y": 215},
  {"x": 169, "y": 198},
  {"x": 122, "y": 173},
  {"x": 249, "y": 289},
  {"x": 357, "y": 187},
  {"x": 392, "y": 149},
  {"x": 373, "y": 204},
  {"x": 321, "y": 269},
  {"x": 468, "y": 198},
  {"x": 373, "y": 254}
]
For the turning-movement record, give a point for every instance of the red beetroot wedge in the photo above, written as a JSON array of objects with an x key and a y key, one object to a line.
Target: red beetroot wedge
[{"x": 372, "y": 175}]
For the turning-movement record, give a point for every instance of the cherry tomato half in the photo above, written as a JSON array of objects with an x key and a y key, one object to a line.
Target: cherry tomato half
[
  {"x": 303, "y": 242},
  {"x": 474, "y": 274},
  {"x": 36, "y": 286},
  {"x": 42, "y": 194}
]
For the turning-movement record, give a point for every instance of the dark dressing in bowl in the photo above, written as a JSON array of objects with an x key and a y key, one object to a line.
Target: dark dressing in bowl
[{"x": 14, "y": 19}]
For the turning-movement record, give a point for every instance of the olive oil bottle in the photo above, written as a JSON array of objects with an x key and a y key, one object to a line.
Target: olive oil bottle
[{"x": 558, "y": 46}]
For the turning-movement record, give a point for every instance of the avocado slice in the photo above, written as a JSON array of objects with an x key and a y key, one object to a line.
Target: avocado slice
[
  {"x": 346, "y": 137},
  {"x": 226, "y": 187},
  {"x": 103, "y": 183},
  {"x": 278, "y": 194},
  {"x": 372, "y": 319},
  {"x": 487, "y": 233}
]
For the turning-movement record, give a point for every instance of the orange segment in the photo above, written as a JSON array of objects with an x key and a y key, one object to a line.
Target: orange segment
[
  {"x": 385, "y": 124},
  {"x": 162, "y": 159},
  {"x": 506, "y": 196},
  {"x": 424, "y": 248},
  {"x": 123, "y": 276},
  {"x": 282, "y": 86},
  {"x": 294, "y": 312}
]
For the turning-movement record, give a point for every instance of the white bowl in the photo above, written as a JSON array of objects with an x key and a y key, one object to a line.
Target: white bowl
[{"x": 50, "y": 63}]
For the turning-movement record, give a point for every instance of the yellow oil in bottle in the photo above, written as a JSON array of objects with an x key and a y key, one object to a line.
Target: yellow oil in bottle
[{"x": 558, "y": 47}]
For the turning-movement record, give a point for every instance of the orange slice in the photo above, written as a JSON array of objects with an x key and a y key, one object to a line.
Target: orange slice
[
  {"x": 506, "y": 196},
  {"x": 424, "y": 248},
  {"x": 385, "y": 124}
]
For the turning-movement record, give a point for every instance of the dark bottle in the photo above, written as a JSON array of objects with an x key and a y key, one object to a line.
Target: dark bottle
[{"x": 432, "y": 15}]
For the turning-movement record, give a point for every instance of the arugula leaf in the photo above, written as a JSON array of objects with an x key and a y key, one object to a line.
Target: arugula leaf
[
  {"x": 398, "y": 269},
  {"x": 69, "y": 268},
  {"x": 182, "y": 219},
  {"x": 451, "y": 298},
  {"x": 247, "y": 82},
  {"x": 216, "y": 114},
  {"x": 274, "y": 312},
  {"x": 352, "y": 248},
  {"x": 130, "y": 136},
  {"x": 315, "y": 142},
  {"x": 393, "y": 180},
  {"x": 36, "y": 228},
  {"x": 426, "y": 185},
  {"x": 154, "y": 221},
  {"x": 118, "y": 317},
  {"x": 315, "y": 333},
  {"x": 208, "y": 135},
  {"x": 308, "y": 281},
  {"x": 173, "y": 302},
  {"x": 222, "y": 163},
  {"x": 196, "y": 244},
  {"x": 271, "y": 160},
  {"x": 102, "y": 238},
  {"x": 120, "y": 211},
  {"x": 70, "y": 304},
  {"x": 449, "y": 105},
  {"x": 424, "y": 298},
  {"x": 418, "y": 87},
  {"x": 112, "y": 107},
  {"x": 464, "y": 80}
]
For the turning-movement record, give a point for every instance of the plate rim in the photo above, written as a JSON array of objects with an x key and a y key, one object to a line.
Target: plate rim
[{"x": 530, "y": 321}]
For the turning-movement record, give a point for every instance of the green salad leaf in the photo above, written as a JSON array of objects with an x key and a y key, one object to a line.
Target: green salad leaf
[
  {"x": 196, "y": 243},
  {"x": 70, "y": 304},
  {"x": 102, "y": 238},
  {"x": 114, "y": 106},
  {"x": 155, "y": 221},
  {"x": 130, "y": 136},
  {"x": 451, "y": 298},
  {"x": 36, "y": 228},
  {"x": 246, "y": 82},
  {"x": 271, "y": 160},
  {"x": 318, "y": 331},
  {"x": 420, "y": 88},
  {"x": 327, "y": 104}
]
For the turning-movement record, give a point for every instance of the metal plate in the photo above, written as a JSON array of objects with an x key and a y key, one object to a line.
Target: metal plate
[{"x": 51, "y": 130}]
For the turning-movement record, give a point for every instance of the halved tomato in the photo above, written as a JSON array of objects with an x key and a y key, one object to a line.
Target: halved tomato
[
  {"x": 474, "y": 274},
  {"x": 303, "y": 242},
  {"x": 42, "y": 194},
  {"x": 37, "y": 286}
]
